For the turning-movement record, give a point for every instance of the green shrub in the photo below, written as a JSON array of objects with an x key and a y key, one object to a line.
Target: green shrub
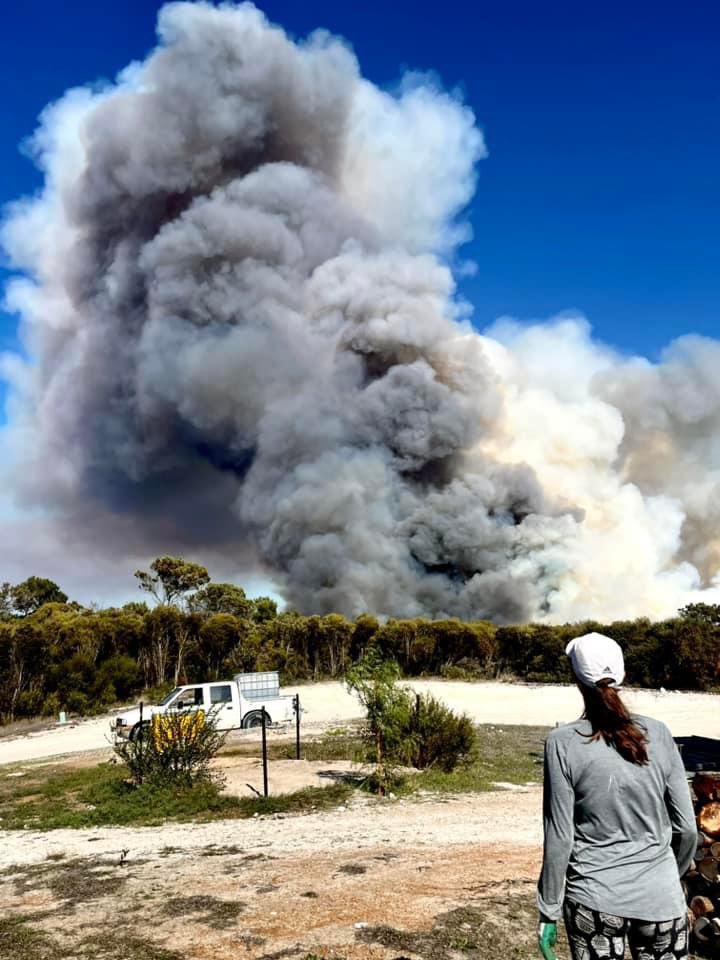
[
  {"x": 403, "y": 729},
  {"x": 51, "y": 706},
  {"x": 117, "y": 679},
  {"x": 467, "y": 668},
  {"x": 436, "y": 736},
  {"x": 77, "y": 702},
  {"x": 175, "y": 749}
]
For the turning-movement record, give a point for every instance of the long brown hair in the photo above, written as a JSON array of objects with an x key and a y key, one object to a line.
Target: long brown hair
[{"x": 610, "y": 720}]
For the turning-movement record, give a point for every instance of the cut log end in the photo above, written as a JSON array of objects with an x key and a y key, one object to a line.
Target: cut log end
[
  {"x": 701, "y": 906},
  {"x": 706, "y": 786},
  {"x": 709, "y": 869},
  {"x": 708, "y": 819}
]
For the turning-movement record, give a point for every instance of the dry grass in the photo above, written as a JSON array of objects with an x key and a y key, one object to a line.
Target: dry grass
[
  {"x": 212, "y": 911},
  {"x": 21, "y": 940}
]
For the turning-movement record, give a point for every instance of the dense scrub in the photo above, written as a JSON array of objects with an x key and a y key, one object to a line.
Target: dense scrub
[{"x": 57, "y": 655}]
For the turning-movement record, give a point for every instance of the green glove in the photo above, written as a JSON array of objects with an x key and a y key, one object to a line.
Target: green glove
[{"x": 547, "y": 938}]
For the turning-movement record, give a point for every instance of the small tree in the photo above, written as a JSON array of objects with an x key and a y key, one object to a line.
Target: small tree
[
  {"x": 27, "y": 597},
  {"x": 5, "y": 601},
  {"x": 388, "y": 714},
  {"x": 222, "y": 598},
  {"x": 265, "y": 609},
  {"x": 402, "y": 728},
  {"x": 704, "y": 612},
  {"x": 170, "y": 579}
]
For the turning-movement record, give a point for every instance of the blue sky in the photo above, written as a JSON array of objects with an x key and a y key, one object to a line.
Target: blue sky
[{"x": 600, "y": 193}]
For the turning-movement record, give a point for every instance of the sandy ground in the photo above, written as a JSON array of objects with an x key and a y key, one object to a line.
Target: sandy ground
[
  {"x": 373, "y": 880},
  {"x": 498, "y": 817},
  {"x": 241, "y": 774},
  {"x": 502, "y": 703}
]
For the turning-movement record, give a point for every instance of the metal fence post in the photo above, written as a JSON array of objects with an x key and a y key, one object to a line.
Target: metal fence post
[
  {"x": 263, "y": 714},
  {"x": 141, "y": 748},
  {"x": 296, "y": 707}
]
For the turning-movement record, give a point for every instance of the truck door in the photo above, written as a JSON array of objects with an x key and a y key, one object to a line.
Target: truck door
[
  {"x": 222, "y": 708},
  {"x": 191, "y": 698}
]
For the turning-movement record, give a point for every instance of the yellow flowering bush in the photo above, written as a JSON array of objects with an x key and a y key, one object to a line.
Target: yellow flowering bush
[
  {"x": 165, "y": 733},
  {"x": 175, "y": 748}
]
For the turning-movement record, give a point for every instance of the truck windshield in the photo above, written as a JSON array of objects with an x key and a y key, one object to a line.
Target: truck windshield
[{"x": 169, "y": 697}]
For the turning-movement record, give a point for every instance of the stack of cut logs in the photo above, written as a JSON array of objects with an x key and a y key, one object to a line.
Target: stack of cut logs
[{"x": 702, "y": 881}]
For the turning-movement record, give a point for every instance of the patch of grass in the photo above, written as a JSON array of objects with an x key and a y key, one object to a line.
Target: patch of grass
[
  {"x": 96, "y": 796},
  {"x": 71, "y": 882},
  {"x": 501, "y": 754},
  {"x": 333, "y": 745},
  {"x": 296, "y": 953},
  {"x": 119, "y": 947},
  {"x": 51, "y": 797},
  {"x": 211, "y": 911},
  {"x": 230, "y": 849},
  {"x": 499, "y": 927},
  {"x": 55, "y": 797},
  {"x": 352, "y": 869},
  {"x": 302, "y": 801},
  {"x": 20, "y": 939},
  {"x": 329, "y": 747},
  {"x": 17, "y": 939}
]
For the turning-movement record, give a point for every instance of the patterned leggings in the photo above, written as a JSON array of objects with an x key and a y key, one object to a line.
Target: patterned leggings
[{"x": 599, "y": 936}]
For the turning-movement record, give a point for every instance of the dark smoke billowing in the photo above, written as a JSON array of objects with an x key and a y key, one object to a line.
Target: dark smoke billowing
[{"x": 245, "y": 341}]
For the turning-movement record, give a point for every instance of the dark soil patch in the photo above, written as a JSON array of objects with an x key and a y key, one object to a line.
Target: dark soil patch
[
  {"x": 216, "y": 851},
  {"x": 352, "y": 869},
  {"x": 212, "y": 911}
]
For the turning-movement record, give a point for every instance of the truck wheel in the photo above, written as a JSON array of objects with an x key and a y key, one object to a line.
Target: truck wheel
[
  {"x": 254, "y": 719},
  {"x": 139, "y": 731}
]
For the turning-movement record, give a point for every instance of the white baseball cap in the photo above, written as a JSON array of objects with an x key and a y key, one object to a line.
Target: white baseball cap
[{"x": 596, "y": 657}]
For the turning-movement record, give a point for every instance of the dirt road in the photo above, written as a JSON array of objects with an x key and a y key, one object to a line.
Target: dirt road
[
  {"x": 500, "y": 703},
  {"x": 362, "y": 822},
  {"x": 429, "y": 878}
]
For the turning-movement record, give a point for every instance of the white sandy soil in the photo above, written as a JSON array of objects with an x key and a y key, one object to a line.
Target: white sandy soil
[{"x": 478, "y": 819}]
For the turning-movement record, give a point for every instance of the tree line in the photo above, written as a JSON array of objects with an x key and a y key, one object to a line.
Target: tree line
[{"x": 56, "y": 654}]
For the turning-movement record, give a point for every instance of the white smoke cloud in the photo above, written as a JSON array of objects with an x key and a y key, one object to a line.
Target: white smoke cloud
[
  {"x": 244, "y": 345},
  {"x": 410, "y": 162},
  {"x": 609, "y": 435}
]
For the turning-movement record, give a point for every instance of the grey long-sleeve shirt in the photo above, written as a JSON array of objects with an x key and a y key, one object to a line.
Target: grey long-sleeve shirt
[{"x": 618, "y": 835}]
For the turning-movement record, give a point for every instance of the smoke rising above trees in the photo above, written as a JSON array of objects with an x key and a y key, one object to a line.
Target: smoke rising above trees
[
  {"x": 244, "y": 342},
  {"x": 56, "y": 655}
]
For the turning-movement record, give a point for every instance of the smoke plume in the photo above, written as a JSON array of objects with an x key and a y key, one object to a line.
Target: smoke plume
[{"x": 244, "y": 343}]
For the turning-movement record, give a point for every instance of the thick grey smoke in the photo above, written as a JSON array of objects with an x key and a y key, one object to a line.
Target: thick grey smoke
[
  {"x": 244, "y": 344},
  {"x": 242, "y": 335}
]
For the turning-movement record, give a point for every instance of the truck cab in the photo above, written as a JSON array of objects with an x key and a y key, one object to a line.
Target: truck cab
[{"x": 231, "y": 704}]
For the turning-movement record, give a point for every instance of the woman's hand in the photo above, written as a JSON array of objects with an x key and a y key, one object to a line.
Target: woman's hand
[{"x": 547, "y": 938}]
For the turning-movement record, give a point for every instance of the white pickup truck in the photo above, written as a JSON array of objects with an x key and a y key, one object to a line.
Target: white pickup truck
[{"x": 232, "y": 704}]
